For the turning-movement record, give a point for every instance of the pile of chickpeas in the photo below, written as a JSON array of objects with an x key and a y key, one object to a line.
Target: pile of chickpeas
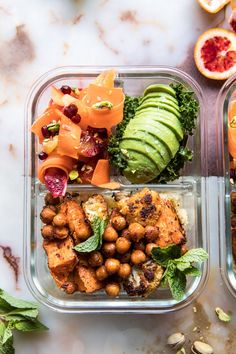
[{"x": 123, "y": 246}]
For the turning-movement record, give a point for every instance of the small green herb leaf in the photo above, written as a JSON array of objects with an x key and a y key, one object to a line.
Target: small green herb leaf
[
  {"x": 93, "y": 242},
  {"x": 163, "y": 255},
  {"x": 30, "y": 326},
  {"x": 177, "y": 267},
  {"x": 16, "y": 303},
  {"x": 198, "y": 255}
]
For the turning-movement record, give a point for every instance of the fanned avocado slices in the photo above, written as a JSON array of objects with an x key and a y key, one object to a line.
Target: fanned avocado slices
[
  {"x": 151, "y": 139},
  {"x": 160, "y": 88}
]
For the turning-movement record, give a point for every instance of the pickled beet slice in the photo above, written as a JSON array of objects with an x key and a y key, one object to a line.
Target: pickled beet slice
[{"x": 56, "y": 181}]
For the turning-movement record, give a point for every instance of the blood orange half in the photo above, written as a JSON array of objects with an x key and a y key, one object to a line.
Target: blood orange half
[
  {"x": 215, "y": 53},
  {"x": 213, "y": 6}
]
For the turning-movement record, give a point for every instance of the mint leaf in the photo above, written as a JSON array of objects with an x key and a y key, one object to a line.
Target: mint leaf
[
  {"x": 192, "y": 271},
  {"x": 93, "y": 242},
  {"x": 182, "y": 266},
  {"x": 32, "y": 313},
  {"x": 177, "y": 284},
  {"x": 197, "y": 255},
  {"x": 30, "y": 326},
  {"x": 14, "y": 302},
  {"x": 7, "y": 334},
  {"x": 7, "y": 348},
  {"x": 163, "y": 255}
]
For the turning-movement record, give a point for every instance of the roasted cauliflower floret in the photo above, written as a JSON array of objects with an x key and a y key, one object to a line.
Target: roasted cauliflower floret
[
  {"x": 143, "y": 207},
  {"x": 144, "y": 280},
  {"x": 95, "y": 206}
]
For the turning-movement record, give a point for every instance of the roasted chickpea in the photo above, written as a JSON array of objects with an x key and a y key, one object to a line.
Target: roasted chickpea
[
  {"x": 125, "y": 233},
  {"x": 138, "y": 257},
  {"x": 95, "y": 259},
  {"x": 101, "y": 273},
  {"x": 112, "y": 265},
  {"x": 84, "y": 232},
  {"x": 112, "y": 289},
  {"x": 110, "y": 234},
  {"x": 60, "y": 220},
  {"x": 124, "y": 258},
  {"x": 109, "y": 249},
  {"x": 49, "y": 200},
  {"x": 139, "y": 246},
  {"x": 47, "y": 232},
  {"x": 60, "y": 232},
  {"x": 124, "y": 271},
  {"x": 151, "y": 233},
  {"x": 118, "y": 222},
  {"x": 149, "y": 248},
  {"x": 122, "y": 245},
  {"x": 137, "y": 231},
  {"x": 47, "y": 214}
]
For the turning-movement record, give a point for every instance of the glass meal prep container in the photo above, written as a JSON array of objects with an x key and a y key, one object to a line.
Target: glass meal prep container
[
  {"x": 190, "y": 188},
  {"x": 227, "y": 188}
]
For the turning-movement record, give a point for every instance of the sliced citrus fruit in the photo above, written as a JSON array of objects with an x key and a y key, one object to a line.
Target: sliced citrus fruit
[
  {"x": 213, "y": 6},
  {"x": 215, "y": 53}
]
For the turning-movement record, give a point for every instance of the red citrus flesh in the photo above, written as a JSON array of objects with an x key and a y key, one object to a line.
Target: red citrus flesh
[{"x": 215, "y": 55}]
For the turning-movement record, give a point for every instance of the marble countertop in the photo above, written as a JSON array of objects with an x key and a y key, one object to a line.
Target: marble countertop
[{"x": 38, "y": 35}]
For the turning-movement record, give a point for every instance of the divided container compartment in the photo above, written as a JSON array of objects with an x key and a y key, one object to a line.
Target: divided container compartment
[
  {"x": 226, "y": 188},
  {"x": 190, "y": 189}
]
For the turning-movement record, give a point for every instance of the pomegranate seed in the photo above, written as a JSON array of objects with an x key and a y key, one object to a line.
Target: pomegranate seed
[
  {"x": 42, "y": 155},
  {"x": 66, "y": 89},
  {"x": 46, "y": 133},
  {"x": 70, "y": 111},
  {"x": 76, "y": 119}
]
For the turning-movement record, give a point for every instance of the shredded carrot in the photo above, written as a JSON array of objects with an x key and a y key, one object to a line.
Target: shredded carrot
[
  {"x": 69, "y": 138},
  {"x": 101, "y": 174},
  {"x": 64, "y": 163},
  {"x": 46, "y": 118}
]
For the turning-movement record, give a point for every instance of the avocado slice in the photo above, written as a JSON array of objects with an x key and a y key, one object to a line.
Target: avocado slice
[
  {"x": 163, "y": 95},
  {"x": 156, "y": 143},
  {"x": 144, "y": 148},
  {"x": 170, "y": 122},
  {"x": 162, "y": 100},
  {"x": 159, "y": 106},
  {"x": 161, "y": 132},
  {"x": 160, "y": 88},
  {"x": 134, "y": 173}
]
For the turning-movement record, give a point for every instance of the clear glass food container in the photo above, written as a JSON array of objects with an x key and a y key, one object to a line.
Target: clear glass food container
[
  {"x": 226, "y": 188},
  {"x": 190, "y": 189}
]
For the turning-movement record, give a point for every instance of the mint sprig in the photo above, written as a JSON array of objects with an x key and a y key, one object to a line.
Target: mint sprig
[
  {"x": 93, "y": 242},
  {"x": 16, "y": 314},
  {"x": 178, "y": 267}
]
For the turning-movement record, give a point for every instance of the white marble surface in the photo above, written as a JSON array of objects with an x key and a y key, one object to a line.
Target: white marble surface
[{"x": 38, "y": 35}]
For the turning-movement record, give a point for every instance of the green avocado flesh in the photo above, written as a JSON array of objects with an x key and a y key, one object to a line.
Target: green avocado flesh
[{"x": 151, "y": 139}]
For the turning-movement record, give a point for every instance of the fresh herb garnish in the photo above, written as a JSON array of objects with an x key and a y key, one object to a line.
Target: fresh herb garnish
[
  {"x": 117, "y": 158},
  {"x": 188, "y": 107},
  {"x": 53, "y": 127},
  {"x": 16, "y": 314},
  {"x": 93, "y": 242},
  {"x": 177, "y": 267}
]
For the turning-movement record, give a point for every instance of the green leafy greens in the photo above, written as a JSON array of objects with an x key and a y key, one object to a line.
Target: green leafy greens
[
  {"x": 93, "y": 242},
  {"x": 16, "y": 314},
  {"x": 178, "y": 266},
  {"x": 117, "y": 158}
]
